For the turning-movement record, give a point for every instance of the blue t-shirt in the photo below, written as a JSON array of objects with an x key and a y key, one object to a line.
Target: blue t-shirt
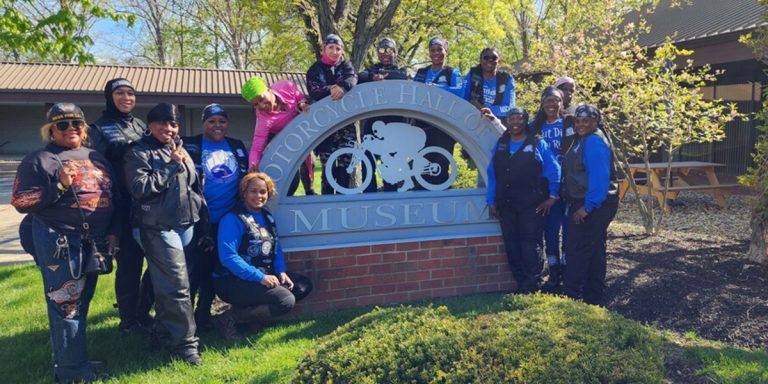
[
  {"x": 489, "y": 94},
  {"x": 222, "y": 177},
  {"x": 457, "y": 88}
]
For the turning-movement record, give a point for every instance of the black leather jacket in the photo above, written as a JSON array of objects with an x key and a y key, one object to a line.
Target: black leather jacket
[{"x": 166, "y": 194}]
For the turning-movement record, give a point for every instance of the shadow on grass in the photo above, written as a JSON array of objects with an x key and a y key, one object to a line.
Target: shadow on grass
[{"x": 26, "y": 357}]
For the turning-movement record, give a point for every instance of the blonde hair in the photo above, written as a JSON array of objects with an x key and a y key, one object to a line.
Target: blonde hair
[
  {"x": 47, "y": 135},
  {"x": 250, "y": 176}
]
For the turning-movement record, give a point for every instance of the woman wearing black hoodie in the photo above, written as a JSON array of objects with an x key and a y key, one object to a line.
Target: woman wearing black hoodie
[{"x": 111, "y": 135}]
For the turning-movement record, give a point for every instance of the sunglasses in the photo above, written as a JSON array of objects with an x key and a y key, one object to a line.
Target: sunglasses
[
  {"x": 383, "y": 50},
  {"x": 490, "y": 57},
  {"x": 64, "y": 125}
]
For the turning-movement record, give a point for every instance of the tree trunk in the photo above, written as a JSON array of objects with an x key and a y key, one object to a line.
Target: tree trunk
[{"x": 758, "y": 252}]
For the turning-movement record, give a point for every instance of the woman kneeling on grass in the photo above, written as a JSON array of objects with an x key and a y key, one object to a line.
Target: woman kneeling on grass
[{"x": 251, "y": 273}]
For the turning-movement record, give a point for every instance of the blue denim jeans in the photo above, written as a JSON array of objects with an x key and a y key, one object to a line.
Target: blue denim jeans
[
  {"x": 68, "y": 294},
  {"x": 556, "y": 220}
]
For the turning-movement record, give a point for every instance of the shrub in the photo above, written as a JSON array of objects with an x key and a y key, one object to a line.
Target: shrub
[
  {"x": 540, "y": 339},
  {"x": 393, "y": 345}
]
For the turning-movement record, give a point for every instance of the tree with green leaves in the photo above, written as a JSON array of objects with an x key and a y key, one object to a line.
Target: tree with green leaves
[
  {"x": 757, "y": 175},
  {"x": 651, "y": 101},
  {"x": 42, "y": 30},
  {"x": 365, "y": 19}
]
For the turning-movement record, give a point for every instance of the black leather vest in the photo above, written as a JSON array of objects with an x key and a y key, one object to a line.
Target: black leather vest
[{"x": 519, "y": 183}]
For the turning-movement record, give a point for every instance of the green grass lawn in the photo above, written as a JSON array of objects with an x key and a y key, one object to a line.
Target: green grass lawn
[{"x": 268, "y": 357}]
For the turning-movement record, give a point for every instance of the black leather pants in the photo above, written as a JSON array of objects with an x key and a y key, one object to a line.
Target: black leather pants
[{"x": 174, "y": 321}]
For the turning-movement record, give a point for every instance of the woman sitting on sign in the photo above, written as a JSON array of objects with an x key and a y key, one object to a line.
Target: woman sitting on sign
[
  {"x": 68, "y": 191},
  {"x": 333, "y": 76},
  {"x": 589, "y": 190},
  {"x": 251, "y": 274},
  {"x": 487, "y": 86},
  {"x": 523, "y": 184},
  {"x": 275, "y": 108}
]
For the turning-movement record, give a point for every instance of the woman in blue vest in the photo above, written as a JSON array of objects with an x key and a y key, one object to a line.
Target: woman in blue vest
[
  {"x": 550, "y": 126},
  {"x": 251, "y": 274},
  {"x": 523, "y": 184},
  {"x": 439, "y": 75},
  {"x": 220, "y": 161},
  {"x": 488, "y": 87},
  {"x": 386, "y": 69},
  {"x": 589, "y": 190}
]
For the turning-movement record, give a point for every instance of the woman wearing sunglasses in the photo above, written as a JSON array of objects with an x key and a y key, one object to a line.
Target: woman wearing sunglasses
[
  {"x": 65, "y": 186},
  {"x": 487, "y": 86},
  {"x": 385, "y": 69}
]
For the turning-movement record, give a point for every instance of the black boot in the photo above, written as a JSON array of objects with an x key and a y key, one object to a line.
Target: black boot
[
  {"x": 555, "y": 280},
  {"x": 256, "y": 317}
]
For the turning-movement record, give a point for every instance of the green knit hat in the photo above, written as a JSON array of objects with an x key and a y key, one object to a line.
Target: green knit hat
[{"x": 254, "y": 87}]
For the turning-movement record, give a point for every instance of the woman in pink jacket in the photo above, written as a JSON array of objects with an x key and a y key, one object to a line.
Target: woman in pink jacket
[{"x": 275, "y": 108}]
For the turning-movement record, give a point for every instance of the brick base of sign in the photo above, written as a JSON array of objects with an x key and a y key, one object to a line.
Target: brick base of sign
[{"x": 395, "y": 273}]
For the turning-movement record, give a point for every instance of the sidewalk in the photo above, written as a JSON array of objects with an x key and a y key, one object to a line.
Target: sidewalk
[{"x": 10, "y": 248}]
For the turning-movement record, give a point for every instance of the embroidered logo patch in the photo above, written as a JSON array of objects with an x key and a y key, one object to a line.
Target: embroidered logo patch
[
  {"x": 528, "y": 148},
  {"x": 69, "y": 292}
]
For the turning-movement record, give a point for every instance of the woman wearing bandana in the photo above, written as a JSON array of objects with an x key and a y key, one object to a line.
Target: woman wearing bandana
[
  {"x": 385, "y": 69},
  {"x": 549, "y": 124},
  {"x": 333, "y": 76},
  {"x": 589, "y": 190},
  {"x": 523, "y": 185},
  {"x": 439, "y": 75},
  {"x": 221, "y": 161}
]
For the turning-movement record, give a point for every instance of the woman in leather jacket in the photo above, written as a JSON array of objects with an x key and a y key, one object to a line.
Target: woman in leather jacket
[{"x": 167, "y": 202}]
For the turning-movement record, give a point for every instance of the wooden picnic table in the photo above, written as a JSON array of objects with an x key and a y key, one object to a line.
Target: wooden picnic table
[{"x": 681, "y": 180}]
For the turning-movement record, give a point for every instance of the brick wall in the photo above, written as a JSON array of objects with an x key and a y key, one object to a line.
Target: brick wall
[{"x": 396, "y": 273}]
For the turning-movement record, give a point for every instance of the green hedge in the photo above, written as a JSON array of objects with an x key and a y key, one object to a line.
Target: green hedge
[{"x": 540, "y": 339}]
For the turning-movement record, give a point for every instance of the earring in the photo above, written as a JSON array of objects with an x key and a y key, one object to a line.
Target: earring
[{"x": 147, "y": 132}]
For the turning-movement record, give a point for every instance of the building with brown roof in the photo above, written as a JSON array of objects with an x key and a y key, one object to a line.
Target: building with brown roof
[
  {"x": 27, "y": 90},
  {"x": 711, "y": 28}
]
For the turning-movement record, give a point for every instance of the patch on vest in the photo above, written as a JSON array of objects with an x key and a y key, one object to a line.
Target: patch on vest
[
  {"x": 569, "y": 131},
  {"x": 113, "y": 133},
  {"x": 528, "y": 148},
  {"x": 266, "y": 247},
  {"x": 240, "y": 152}
]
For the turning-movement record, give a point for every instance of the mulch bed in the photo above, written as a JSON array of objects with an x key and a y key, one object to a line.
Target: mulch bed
[{"x": 692, "y": 277}]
